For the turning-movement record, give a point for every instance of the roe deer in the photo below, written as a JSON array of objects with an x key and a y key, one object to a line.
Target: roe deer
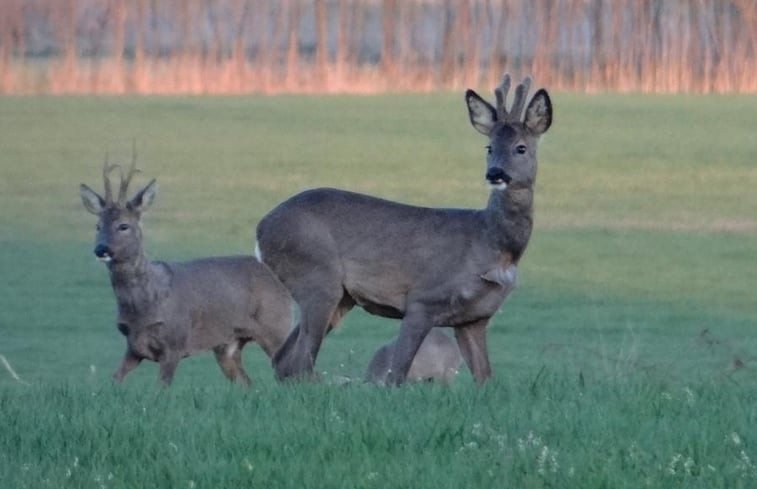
[
  {"x": 438, "y": 358},
  {"x": 168, "y": 311},
  {"x": 335, "y": 249}
]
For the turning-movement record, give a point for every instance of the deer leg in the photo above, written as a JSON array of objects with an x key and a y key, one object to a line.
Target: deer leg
[
  {"x": 128, "y": 364},
  {"x": 471, "y": 339},
  {"x": 413, "y": 330},
  {"x": 318, "y": 296},
  {"x": 297, "y": 357},
  {"x": 243, "y": 377},
  {"x": 229, "y": 358},
  {"x": 168, "y": 363}
]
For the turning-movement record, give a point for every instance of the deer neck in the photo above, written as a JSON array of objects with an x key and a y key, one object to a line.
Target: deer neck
[
  {"x": 132, "y": 283},
  {"x": 509, "y": 215}
]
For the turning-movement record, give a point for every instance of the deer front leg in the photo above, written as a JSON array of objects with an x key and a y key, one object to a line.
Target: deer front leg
[
  {"x": 128, "y": 364},
  {"x": 471, "y": 338},
  {"x": 168, "y": 363},
  {"x": 415, "y": 327}
]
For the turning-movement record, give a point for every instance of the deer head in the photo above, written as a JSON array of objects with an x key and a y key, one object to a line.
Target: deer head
[
  {"x": 119, "y": 236},
  {"x": 511, "y": 153}
]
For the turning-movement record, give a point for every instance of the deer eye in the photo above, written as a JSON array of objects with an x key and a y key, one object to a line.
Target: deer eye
[
  {"x": 521, "y": 149},
  {"x": 488, "y": 150},
  {"x": 123, "y": 227}
]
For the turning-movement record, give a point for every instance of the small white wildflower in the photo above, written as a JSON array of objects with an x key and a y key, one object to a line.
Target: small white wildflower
[
  {"x": 68, "y": 473},
  {"x": 335, "y": 417},
  {"x": 735, "y": 438},
  {"x": 671, "y": 469},
  {"x": 667, "y": 396},
  {"x": 25, "y": 468},
  {"x": 173, "y": 445},
  {"x": 110, "y": 476},
  {"x": 711, "y": 468},
  {"x": 531, "y": 441},
  {"x": 192, "y": 484},
  {"x": 688, "y": 465},
  {"x": 76, "y": 462},
  {"x": 746, "y": 463},
  {"x": 541, "y": 460},
  {"x": 571, "y": 471},
  {"x": 247, "y": 465},
  {"x": 372, "y": 476},
  {"x": 689, "y": 396},
  {"x": 546, "y": 461}
]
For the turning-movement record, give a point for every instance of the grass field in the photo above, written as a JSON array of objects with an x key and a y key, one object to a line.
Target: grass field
[{"x": 627, "y": 357}]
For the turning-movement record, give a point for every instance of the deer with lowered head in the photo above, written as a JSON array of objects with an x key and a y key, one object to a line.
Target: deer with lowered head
[
  {"x": 168, "y": 311},
  {"x": 429, "y": 267},
  {"x": 438, "y": 359}
]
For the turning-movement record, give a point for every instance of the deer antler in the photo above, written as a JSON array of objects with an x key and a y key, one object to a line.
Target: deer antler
[
  {"x": 107, "y": 168},
  {"x": 519, "y": 99},
  {"x": 501, "y": 95},
  {"x": 126, "y": 179}
]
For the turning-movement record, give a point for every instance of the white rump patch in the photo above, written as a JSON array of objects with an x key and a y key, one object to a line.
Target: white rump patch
[
  {"x": 258, "y": 253},
  {"x": 497, "y": 186}
]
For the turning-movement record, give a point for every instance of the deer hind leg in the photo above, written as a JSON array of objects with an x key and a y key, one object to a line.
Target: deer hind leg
[
  {"x": 229, "y": 358},
  {"x": 296, "y": 358},
  {"x": 237, "y": 356},
  {"x": 415, "y": 326},
  {"x": 471, "y": 338}
]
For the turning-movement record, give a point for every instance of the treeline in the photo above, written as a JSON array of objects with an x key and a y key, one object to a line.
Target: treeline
[{"x": 270, "y": 46}]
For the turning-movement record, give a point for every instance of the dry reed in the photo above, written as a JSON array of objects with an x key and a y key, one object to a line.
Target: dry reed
[{"x": 366, "y": 46}]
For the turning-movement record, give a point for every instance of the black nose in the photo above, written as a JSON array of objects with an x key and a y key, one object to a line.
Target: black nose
[
  {"x": 497, "y": 175},
  {"x": 102, "y": 251}
]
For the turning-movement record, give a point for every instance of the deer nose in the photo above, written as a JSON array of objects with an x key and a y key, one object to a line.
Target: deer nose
[
  {"x": 497, "y": 175},
  {"x": 102, "y": 252}
]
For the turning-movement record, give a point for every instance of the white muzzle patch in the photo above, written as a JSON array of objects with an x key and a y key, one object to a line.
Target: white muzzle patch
[{"x": 497, "y": 186}]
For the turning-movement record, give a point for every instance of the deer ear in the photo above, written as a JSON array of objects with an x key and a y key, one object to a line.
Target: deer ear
[
  {"x": 482, "y": 114},
  {"x": 143, "y": 199},
  {"x": 91, "y": 199},
  {"x": 539, "y": 113}
]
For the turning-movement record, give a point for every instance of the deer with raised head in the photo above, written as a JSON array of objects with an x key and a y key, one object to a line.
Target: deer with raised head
[
  {"x": 438, "y": 359},
  {"x": 430, "y": 267},
  {"x": 168, "y": 311}
]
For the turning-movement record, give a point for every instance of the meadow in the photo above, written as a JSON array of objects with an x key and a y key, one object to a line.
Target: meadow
[{"x": 627, "y": 357}]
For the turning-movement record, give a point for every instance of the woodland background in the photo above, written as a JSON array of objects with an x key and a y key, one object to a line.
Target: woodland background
[{"x": 369, "y": 46}]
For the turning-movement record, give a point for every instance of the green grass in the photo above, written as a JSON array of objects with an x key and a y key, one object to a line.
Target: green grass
[{"x": 627, "y": 357}]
